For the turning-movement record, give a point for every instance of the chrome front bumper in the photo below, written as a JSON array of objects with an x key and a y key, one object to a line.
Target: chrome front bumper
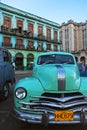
[{"x": 80, "y": 117}]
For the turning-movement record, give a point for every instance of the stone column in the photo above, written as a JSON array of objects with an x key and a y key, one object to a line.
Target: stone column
[
  {"x": 13, "y": 41},
  {"x": 52, "y": 34},
  {"x": 35, "y": 44},
  {"x": 52, "y": 47},
  {"x": 44, "y": 30},
  {"x": 25, "y": 27},
  {"x": 25, "y": 63},
  {"x": 44, "y": 46},
  {"x": 35, "y": 29},
  {"x": 13, "y": 22},
  {"x": 44, "y": 34},
  {"x": 63, "y": 40},
  {"x": 1, "y": 18}
]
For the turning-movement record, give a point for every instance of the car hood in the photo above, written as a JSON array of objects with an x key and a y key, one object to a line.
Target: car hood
[{"x": 58, "y": 77}]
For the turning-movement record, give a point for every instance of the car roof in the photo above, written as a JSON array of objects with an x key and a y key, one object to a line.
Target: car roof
[{"x": 52, "y": 52}]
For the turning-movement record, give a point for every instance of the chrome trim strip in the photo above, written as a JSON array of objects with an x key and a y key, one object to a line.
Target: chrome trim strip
[
  {"x": 61, "y": 78},
  {"x": 55, "y": 103}
]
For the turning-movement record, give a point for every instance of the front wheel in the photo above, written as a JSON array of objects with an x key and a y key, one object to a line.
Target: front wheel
[{"x": 5, "y": 92}]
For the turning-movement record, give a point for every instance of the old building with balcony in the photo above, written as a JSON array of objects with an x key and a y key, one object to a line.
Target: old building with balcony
[
  {"x": 25, "y": 35},
  {"x": 74, "y": 39}
]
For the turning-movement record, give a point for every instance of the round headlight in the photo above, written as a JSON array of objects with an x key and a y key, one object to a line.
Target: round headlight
[{"x": 20, "y": 93}]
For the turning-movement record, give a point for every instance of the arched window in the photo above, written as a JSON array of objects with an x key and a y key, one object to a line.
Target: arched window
[{"x": 19, "y": 61}]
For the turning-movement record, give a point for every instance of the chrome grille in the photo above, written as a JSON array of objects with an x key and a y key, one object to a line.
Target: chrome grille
[{"x": 51, "y": 102}]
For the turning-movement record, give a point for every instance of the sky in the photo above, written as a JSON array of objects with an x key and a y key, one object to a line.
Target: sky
[{"x": 58, "y": 11}]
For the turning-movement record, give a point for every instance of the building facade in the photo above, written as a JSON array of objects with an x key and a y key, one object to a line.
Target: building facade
[
  {"x": 74, "y": 39},
  {"x": 25, "y": 35}
]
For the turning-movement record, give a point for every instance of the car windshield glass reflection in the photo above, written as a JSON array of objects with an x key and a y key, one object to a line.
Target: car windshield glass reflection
[{"x": 55, "y": 59}]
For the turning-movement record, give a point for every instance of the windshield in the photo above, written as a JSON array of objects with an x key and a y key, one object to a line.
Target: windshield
[{"x": 55, "y": 59}]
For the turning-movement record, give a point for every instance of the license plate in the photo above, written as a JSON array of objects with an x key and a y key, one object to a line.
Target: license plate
[{"x": 63, "y": 115}]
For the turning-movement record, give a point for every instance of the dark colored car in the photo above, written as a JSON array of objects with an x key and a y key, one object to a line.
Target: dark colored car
[{"x": 7, "y": 75}]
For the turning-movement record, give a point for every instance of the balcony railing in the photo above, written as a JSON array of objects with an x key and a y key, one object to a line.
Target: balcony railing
[
  {"x": 30, "y": 48},
  {"x": 17, "y": 46},
  {"x": 7, "y": 45},
  {"x": 39, "y": 48}
]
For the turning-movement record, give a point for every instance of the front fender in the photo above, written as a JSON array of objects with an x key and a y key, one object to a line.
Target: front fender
[
  {"x": 31, "y": 84},
  {"x": 32, "y": 87}
]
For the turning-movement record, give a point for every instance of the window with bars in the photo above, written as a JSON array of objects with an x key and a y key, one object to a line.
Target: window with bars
[
  {"x": 31, "y": 29},
  {"x": 48, "y": 47},
  {"x": 19, "y": 42},
  {"x": 7, "y": 22},
  {"x": 48, "y": 34},
  {"x": 31, "y": 45},
  {"x": 19, "y": 25},
  {"x": 55, "y": 47},
  {"x": 40, "y": 31},
  {"x": 55, "y": 35},
  {"x": 7, "y": 40}
]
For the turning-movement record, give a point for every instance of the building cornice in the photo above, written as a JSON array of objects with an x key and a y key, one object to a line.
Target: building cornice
[
  {"x": 73, "y": 23},
  {"x": 25, "y": 14}
]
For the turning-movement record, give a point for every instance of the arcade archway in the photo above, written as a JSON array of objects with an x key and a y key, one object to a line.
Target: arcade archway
[
  {"x": 19, "y": 61},
  {"x": 83, "y": 60}
]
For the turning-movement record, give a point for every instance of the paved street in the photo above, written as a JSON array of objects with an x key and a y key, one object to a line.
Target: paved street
[{"x": 7, "y": 122}]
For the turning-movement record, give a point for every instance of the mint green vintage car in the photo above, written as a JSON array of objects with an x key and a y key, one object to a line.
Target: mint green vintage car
[{"x": 55, "y": 94}]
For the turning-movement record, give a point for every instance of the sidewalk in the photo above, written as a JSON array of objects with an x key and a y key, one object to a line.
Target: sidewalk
[{"x": 23, "y": 72}]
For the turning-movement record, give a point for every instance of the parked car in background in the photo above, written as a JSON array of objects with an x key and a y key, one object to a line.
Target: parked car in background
[
  {"x": 55, "y": 94},
  {"x": 82, "y": 69},
  {"x": 7, "y": 75}
]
